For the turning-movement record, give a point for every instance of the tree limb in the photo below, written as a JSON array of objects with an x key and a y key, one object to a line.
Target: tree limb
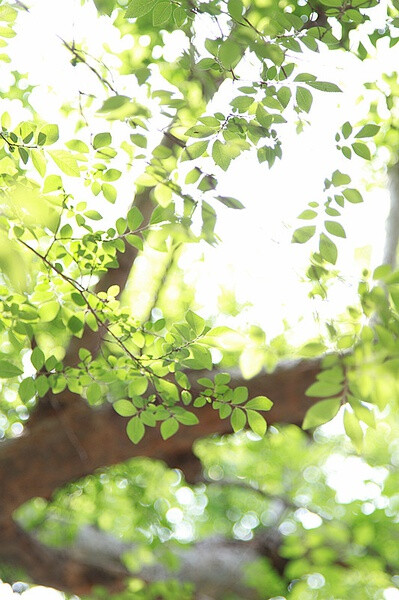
[
  {"x": 215, "y": 566},
  {"x": 100, "y": 433},
  {"x": 392, "y": 223}
]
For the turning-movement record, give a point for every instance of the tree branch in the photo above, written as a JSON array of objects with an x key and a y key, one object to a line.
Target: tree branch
[
  {"x": 53, "y": 460},
  {"x": 215, "y": 565},
  {"x": 392, "y": 224}
]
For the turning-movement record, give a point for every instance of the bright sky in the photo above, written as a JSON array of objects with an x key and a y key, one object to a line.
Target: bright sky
[{"x": 256, "y": 257}]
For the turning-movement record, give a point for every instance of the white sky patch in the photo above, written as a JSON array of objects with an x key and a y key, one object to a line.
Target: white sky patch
[
  {"x": 35, "y": 593},
  {"x": 255, "y": 258},
  {"x": 353, "y": 479}
]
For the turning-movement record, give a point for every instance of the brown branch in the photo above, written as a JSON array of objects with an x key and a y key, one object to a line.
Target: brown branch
[{"x": 100, "y": 433}]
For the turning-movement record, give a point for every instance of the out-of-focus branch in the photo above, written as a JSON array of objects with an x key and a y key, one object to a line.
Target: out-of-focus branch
[
  {"x": 392, "y": 224},
  {"x": 215, "y": 566}
]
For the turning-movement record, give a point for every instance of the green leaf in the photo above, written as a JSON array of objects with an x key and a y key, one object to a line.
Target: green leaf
[
  {"x": 222, "y": 378},
  {"x": 230, "y": 54},
  {"x": 138, "y": 386},
  {"x": 195, "y": 321},
  {"x": 206, "y": 63},
  {"x": 134, "y": 218},
  {"x": 321, "y": 413},
  {"x": 328, "y": 249},
  {"x": 230, "y": 202},
  {"x": 362, "y": 412},
  {"x": 75, "y": 325},
  {"x": 105, "y": 6},
  {"x": 94, "y": 393},
  {"x": 27, "y": 389},
  {"x": 259, "y": 403},
  {"x": 109, "y": 192},
  {"x": 353, "y": 429},
  {"x": 220, "y": 155},
  {"x": 48, "y": 135},
  {"x": 353, "y": 195},
  {"x": 335, "y": 228},
  {"x": 206, "y": 382},
  {"x": 346, "y": 129},
  {"x": 193, "y": 176},
  {"x": 77, "y": 146},
  {"x": 361, "y": 150},
  {"x": 111, "y": 175},
  {"x": 322, "y": 389},
  {"x": 324, "y": 86},
  {"x": 124, "y": 408},
  {"x": 304, "y": 98},
  {"x": 194, "y": 150},
  {"x": 8, "y": 370},
  {"x": 135, "y": 430},
  {"x": 242, "y": 103},
  {"x": 240, "y": 394},
  {"x": 66, "y": 162},
  {"x": 94, "y": 215},
  {"x": 339, "y": 178},
  {"x": 200, "y": 131},
  {"x": 305, "y": 77},
  {"x": 187, "y": 418},
  {"x": 139, "y": 140},
  {"x": 235, "y": 8},
  {"x": 303, "y": 234},
  {"x": 162, "y": 13},
  {"x": 114, "y": 102},
  {"x": 179, "y": 16},
  {"x": 48, "y": 311},
  {"x": 139, "y": 8},
  {"x": 307, "y": 215},
  {"x": 238, "y": 419},
  {"x": 135, "y": 241},
  {"x": 37, "y": 358},
  {"x": 52, "y": 183},
  {"x": 265, "y": 119},
  {"x": 169, "y": 428},
  {"x": 284, "y": 96},
  {"x": 369, "y": 130},
  {"x": 256, "y": 422},
  {"x": 102, "y": 139},
  {"x": 39, "y": 162}
]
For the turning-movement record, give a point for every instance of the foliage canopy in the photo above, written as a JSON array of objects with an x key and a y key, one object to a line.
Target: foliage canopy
[{"x": 131, "y": 168}]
